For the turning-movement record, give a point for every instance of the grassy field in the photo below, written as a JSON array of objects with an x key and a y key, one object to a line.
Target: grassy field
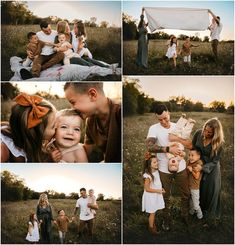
[
  {"x": 104, "y": 44},
  {"x": 15, "y": 218},
  {"x": 202, "y": 60},
  {"x": 136, "y": 223}
]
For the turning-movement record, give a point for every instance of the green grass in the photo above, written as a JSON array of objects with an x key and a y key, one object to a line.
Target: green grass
[
  {"x": 202, "y": 60},
  {"x": 104, "y": 44},
  {"x": 15, "y": 218},
  {"x": 136, "y": 223}
]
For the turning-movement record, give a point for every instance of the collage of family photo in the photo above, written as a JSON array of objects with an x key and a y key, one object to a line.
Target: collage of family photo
[{"x": 117, "y": 122}]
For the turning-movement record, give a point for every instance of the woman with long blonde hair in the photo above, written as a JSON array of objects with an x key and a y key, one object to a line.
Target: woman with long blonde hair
[
  {"x": 210, "y": 140},
  {"x": 44, "y": 214}
]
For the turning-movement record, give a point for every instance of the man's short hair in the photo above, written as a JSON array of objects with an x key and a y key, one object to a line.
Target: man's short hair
[
  {"x": 83, "y": 88},
  {"x": 44, "y": 24},
  {"x": 160, "y": 108},
  {"x": 82, "y": 189}
]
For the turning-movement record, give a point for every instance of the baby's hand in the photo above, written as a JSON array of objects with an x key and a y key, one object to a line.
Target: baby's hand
[
  {"x": 190, "y": 169},
  {"x": 56, "y": 155}
]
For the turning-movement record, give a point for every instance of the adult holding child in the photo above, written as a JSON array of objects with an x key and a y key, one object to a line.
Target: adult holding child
[
  {"x": 142, "y": 51},
  {"x": 32, "y": 122},
  {"x": 209, "y": 140},
  {"x": 45, "y": 217},
  {"x": 158, "y": 143},
  {"x": 48, "y": 56}
]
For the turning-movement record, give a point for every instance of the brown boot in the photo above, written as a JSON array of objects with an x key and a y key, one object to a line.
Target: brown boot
[{"x": 153, "y": 230}]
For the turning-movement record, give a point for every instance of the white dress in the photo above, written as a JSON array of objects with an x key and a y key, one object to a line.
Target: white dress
[
  {"x": 171, "y": 51},
  {"x": 151, "y": 202},
  {"x": 35, "y": 233}
]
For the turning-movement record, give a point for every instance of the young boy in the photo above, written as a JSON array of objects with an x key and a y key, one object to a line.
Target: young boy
[
  {"x": 35, "y": 47},
  {"x": 186, "y": 50},
  {"x": 194, "y": 172},
  {"x": 103, "y": 124},
  {"x": 62, "y": 224}
]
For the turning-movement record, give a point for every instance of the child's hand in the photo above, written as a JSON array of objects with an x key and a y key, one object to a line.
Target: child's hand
[
  {"x": 190, "y": 169},
  {"x": 55, "y": 49},
  {"x": 163, "y": 191},
  {"x": 55, "y": 222},
  {"x": 197, "y": 168},
  {"x": 56, "y": 155},
  {"x": 73, "y": 219}
]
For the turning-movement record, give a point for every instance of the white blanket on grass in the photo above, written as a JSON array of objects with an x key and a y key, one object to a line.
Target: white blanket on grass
[
  {"x": 191, "y": 19},
  {"x": 70, "y": 72}
]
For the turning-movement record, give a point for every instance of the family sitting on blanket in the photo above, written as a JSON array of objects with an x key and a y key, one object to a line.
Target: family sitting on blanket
[{"x": 49, "y": 47}]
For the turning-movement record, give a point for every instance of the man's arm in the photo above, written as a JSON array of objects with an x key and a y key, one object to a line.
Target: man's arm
[
  {"x": 93, "y": 206},
  {"x": 75, "y": 211},
  {"x": 213, "y": 15},
  {"x": 153, "y": 147}
]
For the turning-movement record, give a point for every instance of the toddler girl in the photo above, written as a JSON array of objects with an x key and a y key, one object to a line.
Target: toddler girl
[
  {"x": 152, "y": 199},
  {"x": 31, "y": 123},
  {"x": 67, "y": 138},
  {"x": 172, "y": 50},
  {"x": 33, "y": 231}
]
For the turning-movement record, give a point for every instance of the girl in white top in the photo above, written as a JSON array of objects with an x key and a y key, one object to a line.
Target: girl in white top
[
  {"x": 33, "y": 231},
  {"x": 66, "y": 146},
  {"x": 172, "y": 50},
  {"x": 152, "y": 199}
]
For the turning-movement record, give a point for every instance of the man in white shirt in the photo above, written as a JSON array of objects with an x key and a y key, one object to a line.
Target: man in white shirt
[
  {"x": 215, "y": 28},
  {"x": 48, "y": 56},
  {"x": 158, "y": 142},
  {"x": 86, "y": 215}
]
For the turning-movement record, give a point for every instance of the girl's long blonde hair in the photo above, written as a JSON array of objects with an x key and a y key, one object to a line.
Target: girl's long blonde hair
[
  {"x": 43, "y": 200},
  {"x": 218, "y": 137}
]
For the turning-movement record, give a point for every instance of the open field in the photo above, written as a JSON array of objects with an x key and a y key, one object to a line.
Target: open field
[
  {"x": 104, "y": 44},
  {"x": 107, "y": 227},
  {"x": 202, "y": 60},
  {"x": 136, "y": 223}
]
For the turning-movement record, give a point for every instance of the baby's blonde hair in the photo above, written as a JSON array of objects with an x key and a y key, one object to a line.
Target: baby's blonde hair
[{"x": 69, "y": 113}]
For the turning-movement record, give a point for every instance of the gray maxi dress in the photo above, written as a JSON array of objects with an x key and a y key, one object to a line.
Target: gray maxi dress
[
  {"x": 211, "y": 180},
  {"x": 142, "y": 51}
]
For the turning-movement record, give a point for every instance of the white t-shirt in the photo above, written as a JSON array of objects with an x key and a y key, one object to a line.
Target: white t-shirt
[
  {"x": 74, "y": 42},
  {"x": 47, "y": 50},
  {"x": 161, "y": 135},
  {"x": 215, "y": 31},
  {"x": 85, "y": 212}
]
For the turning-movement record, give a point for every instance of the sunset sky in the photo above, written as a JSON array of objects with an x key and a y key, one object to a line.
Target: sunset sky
[
  {"x": 67, "y": 178},
  {"x": 198, "y": 88},
  {"x": 111, "y": 89},
  {"x": 103, "y": 10},
  {"x": 224, "y": 9}
]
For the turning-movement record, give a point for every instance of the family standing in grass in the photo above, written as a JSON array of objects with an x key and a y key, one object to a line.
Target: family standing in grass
[
  {"x": 173, "y": 49},
  {"x": 198, "y": 180},
  {"x": 36, "y": 132},
  {"x": 42, "y": 220}
]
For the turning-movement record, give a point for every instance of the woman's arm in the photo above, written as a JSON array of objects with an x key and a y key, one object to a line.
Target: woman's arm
[
  {"x": 148, "y": 189},
  {"x": 5, "y": 154}
]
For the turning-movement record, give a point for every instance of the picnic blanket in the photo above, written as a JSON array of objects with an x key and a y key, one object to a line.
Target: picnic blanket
[
  {"x": 191, "y": 19},
  {"x": 58, "y": 72}
]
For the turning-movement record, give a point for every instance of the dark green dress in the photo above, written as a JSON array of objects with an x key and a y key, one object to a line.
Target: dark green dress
[
  {"x": 142, "y": 52},
  {"x": 211, "y": 180}
]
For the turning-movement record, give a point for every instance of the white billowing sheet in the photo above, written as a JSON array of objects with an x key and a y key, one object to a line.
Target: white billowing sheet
[
  {"x": 191, "y": 19},
  {"x": 70, "y": 72}
]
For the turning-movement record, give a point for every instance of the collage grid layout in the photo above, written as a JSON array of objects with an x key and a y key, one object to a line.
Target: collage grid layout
[{"x": 117, "y": 122}]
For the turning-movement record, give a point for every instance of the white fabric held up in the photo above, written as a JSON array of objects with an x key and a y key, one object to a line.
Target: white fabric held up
[{"x": 191, "y": 19}]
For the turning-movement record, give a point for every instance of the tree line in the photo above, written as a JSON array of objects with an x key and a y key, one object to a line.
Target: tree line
[
  {"x": 137, "y": 102},
  {"x": 130, "y": 32},
  {"x": 13, "y": 188},
  {"x": 17, "y": 13}
]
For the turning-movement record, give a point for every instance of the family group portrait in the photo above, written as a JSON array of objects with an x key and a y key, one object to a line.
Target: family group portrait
[
  {"x": 43, "y": 210},
  {"x": 178, "y": 38},
  {"x": 178, "y": 160},
  {"x": 61, "y": 122},
  {"x": 60, "y": 41}
]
